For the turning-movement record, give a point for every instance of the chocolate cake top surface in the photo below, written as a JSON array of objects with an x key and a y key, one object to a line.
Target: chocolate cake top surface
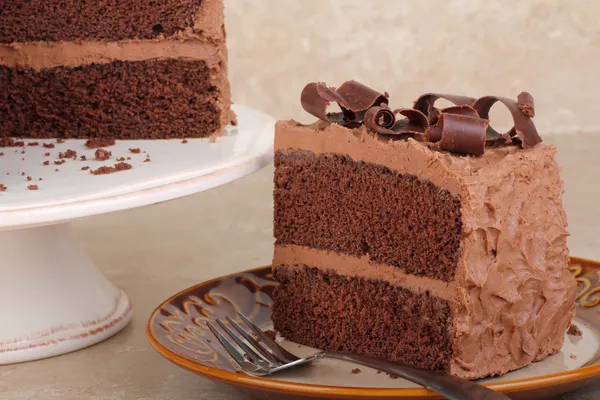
[{"x": 462, "y": 128}]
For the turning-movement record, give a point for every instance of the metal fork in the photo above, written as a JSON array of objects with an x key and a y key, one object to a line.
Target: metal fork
[{"x": 264, "y": 357}]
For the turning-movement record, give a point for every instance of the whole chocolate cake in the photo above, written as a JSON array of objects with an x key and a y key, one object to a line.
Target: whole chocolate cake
[
  {"x": 420, "y": 235},
  {"x": 123, "y": 69}
]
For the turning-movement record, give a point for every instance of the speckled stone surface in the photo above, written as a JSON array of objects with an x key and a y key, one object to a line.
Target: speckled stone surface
[
  {"x": 549, "y": 48},
  {"x": 174, "y": 245}
]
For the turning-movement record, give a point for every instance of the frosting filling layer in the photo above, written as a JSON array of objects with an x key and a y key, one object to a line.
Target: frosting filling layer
[
  {"x": 40, "y": 55},
  {"x": 361, "y": 267}
]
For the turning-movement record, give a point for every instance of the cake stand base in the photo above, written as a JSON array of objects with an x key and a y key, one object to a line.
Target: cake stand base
[{"x": 53, "y": 299}]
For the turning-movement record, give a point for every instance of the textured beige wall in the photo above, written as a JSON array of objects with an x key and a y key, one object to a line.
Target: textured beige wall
[{"x": 550, "y": 48}]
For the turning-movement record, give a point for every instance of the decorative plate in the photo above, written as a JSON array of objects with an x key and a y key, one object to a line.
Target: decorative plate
[{"x": 177, "y": 331}]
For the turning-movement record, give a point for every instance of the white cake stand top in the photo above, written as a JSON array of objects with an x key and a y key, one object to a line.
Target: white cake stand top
[{"x": 176, "y": 169}]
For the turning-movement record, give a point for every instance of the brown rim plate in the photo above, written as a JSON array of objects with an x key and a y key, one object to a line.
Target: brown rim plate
[{"x": 177, "y": 330}]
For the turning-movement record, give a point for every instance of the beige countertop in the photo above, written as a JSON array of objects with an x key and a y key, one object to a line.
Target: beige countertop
[{"x": 156, "y": 251}]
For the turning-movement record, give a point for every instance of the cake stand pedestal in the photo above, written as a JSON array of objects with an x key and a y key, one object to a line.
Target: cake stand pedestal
[{"x": 53, "y": 299}]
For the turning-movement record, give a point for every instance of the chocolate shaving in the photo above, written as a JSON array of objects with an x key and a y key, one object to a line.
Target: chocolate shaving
[
  {"x": 316, "y": 99},
  {"x": 425, "y": 103},
  {"x": 462, "y": 128},
  {"x": 463, "y": 133},
  {"x": 415, "y": 123},
  {"x": 357, "y": 99},
  {"x": 525, "y": 101},
  {"x": 524, "y": 127},
  {"x": 461, "y": 110},
  {"x": 353, "y": 98},
  {"x": 380, "y": 119}
]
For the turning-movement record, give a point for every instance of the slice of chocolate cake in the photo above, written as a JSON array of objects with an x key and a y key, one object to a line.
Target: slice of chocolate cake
[
  {"x": 420, "y": 235},
  {"x": 127, "y": 69}
]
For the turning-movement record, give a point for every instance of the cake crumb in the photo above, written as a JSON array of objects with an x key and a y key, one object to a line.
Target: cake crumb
[
  {"x": 99, "y": 142},
  {"x": 391, "y": 376},
  {"x": 135, "y": 151},
  {"x": 184, "y": 141},
  {"x": 102, "y": 154},
  {"x": 22, "y": 151},
  {"x": 59, "y": 140},
  {"x": 47, "y": 154},
  {"x": 6, "y": 142},
  {"x": 59, "y": 162},
  {"x": 33, "y": 144},
  {"x": 33, "y": 187},
  {"x": 29, "y": 178},
  {"x": 109, "y": 170},
  {"x": 208, "y": 341},
  {"x": 22, "y": 173},
  {"x": 56, "y": 170},
  {"x": 573, "y": 356},
  {"x": 46, "y": 162},
  {"x": 1, "y": 154},
  {"x": 48, "y": 145},
  {"x": 40, "y": 179},
  {"x": 121, "y": 159},
  {"x": 3, "y": 188},
  {"x": 85, "y": 168},
  {"x": 356, "y": 371},
  {"x": 22, "y": 158},
  {"x": 129, "y": 158},
  {"x": 148, "y": 159},
  {"x": 68, "y": 154},
  {"x": 271, "y": 334},
  {"x": 83, "y": 158},
  {"x": 378, "y": 372},
  {"x": 10, "y": 142},
  {"x": 212, "y": 139},
  {"x": 574, "y": 330}
]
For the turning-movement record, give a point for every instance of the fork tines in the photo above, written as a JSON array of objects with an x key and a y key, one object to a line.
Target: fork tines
[{"x": 250, "y": 354}]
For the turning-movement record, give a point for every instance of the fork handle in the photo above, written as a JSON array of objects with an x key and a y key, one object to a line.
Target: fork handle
[{"x": 451, "y": 387}]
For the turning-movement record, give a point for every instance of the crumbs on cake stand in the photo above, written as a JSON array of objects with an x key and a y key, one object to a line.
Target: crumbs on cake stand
[
  {"x": 102, "y": 154},
  {"x": 356, "y": 371},
  {"x": 94, "y": 143},
  {"x": 111, "y": 169},
  {"x": 574, "y": 330}
]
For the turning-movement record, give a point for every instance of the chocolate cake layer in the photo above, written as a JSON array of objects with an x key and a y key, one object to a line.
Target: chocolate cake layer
[
  {"x": 55, "y": 20},
  {"x": 328, "y": 311},
  {"x": 125, "y": 100},
  {"x": 332, "y": 202}
]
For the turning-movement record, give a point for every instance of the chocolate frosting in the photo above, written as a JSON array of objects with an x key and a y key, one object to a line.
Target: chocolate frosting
[{"x": 463, "y": 128}]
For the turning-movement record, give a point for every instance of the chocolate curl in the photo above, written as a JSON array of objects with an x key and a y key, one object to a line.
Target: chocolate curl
[
  {"x": 434, "y": 133},
  {"x": 415, "y": 123},
  {"x": 357, "y": 99},
  {"x": 462, "y": 133},
  {"x": 380, "y": 119},
  {"x": 524, "y": 127},
  {"x": 316, "y": 99},
  {"x": 425, "y": 104},
  {"x": 525, "y": 101},
  {"x": 460, "y": 110}
]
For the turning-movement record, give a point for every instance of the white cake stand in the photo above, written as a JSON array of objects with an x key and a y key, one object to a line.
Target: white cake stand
[{"x": 53, "y": 299}]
